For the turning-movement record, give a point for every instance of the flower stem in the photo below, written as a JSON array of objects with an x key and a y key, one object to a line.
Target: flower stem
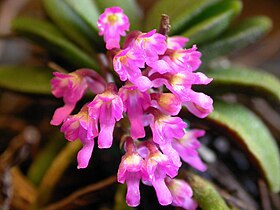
[
  {"x": 54, "y": 173},
  {"x": 164, "y": 27}
]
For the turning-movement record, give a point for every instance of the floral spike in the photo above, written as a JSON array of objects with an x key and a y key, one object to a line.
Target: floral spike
[{"x": 142, "y": 66}]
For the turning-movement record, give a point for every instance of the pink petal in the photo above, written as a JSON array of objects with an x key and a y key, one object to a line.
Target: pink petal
[
  {"x": 163, "y": 194},
  {"x": 62, "y": 113},
  {"x": 200, "y": 105},
  {"x": 136, "y": 123},
  {"x": 105, "y": 138},
  {"x": 84, "y": 154},
  {"x": 143, "y": 83},
  {"x": 176, "y": 42},
  {"x": 173, "y": 155},
  {"x": 133, "y": 193}
]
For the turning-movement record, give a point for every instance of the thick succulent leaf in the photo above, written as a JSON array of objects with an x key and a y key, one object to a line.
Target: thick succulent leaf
[
  {"x": 48, "y": 36},
  {"x": 248, "y": 130},
  {"x": 213, "y": 24},
  {"x": 181, "y": 13},
  {"x": 130, "y": 7},
  {"x": 54, "y": 173},
  {"x": 70, "y": 23},
  {"x": 87, "y": 10},
  {"x": 244, "y": 33},
  {"x": 26, "y": 79},
  {"x": 205, "y": 194},
  {"x": 246, "y": 81},
  {"x": 44, "y": 158}
]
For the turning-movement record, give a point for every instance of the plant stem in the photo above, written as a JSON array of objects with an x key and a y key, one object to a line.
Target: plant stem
[{"x": 54, "y": 173}]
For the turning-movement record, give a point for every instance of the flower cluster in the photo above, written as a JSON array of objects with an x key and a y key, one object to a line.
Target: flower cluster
[{"x": 157, "y": 74}]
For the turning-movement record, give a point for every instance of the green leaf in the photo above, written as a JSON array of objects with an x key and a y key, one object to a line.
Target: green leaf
[
  {"x": 213, "y": 24},
  {"x": 45, "y": 157},
  {"x": 237, "y": 37},
  {"x": 26, "y": 79},
  {"x": 181, "y": 13},
  {"x": 87, "y": 10},
  {"x": 246, "y": 81},
  {"x": 53, "y": 40},
  {"x": 247, "y": 129},
  {"x": 130, "y": 7},
  {"x": 205, "y": 194},
  {"x": 54, "y": 173},
  {"x": 70, "y": 23}
]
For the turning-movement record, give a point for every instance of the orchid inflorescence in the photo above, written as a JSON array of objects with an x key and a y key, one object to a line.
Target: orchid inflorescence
[{"x": 144, "y": 64}]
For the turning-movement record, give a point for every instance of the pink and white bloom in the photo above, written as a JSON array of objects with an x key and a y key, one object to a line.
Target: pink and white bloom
[
  {"x": 152, "y": 45},
  {"x": 157, "y": 167},
  {"x": 165, "y": 128},
  {"x": 176, "y": 61},
  {"x": 168, "y": 150},
  {"x": 81, "y": 126},
  {"x": 176, "y": 42},
  {"x": 107, "y": 108},
  {"x": 180, "y": 84},
  {"x": 130, "y": 171},
  {"x": 131, "y": 38},
  {"x": 72, "y": 87},
  {"x": 112, "y": 24},
  {"x": 181, "y": 193},
  {"x": 127, "y": 64},
  {"x": 135, "y": 103},
  {"x": 201, "y": 105},
  {"x": 187, "y": 148},
  {"x": 167, "y": 103}
]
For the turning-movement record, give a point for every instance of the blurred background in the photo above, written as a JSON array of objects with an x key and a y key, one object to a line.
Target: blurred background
[{"x": 265, "y": 53}]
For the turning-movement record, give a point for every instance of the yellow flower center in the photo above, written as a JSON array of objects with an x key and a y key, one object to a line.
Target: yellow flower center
[
  {"x": 177, "y": 79},
  {"x": 112, "y": 19},
  {"x": 177, "y": 56},
  {"x": 165, "y": 100},
  {"x": 132, "y": 160}
]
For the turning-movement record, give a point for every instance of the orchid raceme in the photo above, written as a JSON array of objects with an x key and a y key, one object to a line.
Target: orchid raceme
[{"x": 130, "y": 105}]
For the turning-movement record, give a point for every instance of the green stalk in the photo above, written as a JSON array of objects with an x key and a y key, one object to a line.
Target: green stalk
[{"x": 55, "y": 172}]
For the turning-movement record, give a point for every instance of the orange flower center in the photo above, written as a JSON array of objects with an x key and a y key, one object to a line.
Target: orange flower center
[{"x": 112, "y": 19}]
